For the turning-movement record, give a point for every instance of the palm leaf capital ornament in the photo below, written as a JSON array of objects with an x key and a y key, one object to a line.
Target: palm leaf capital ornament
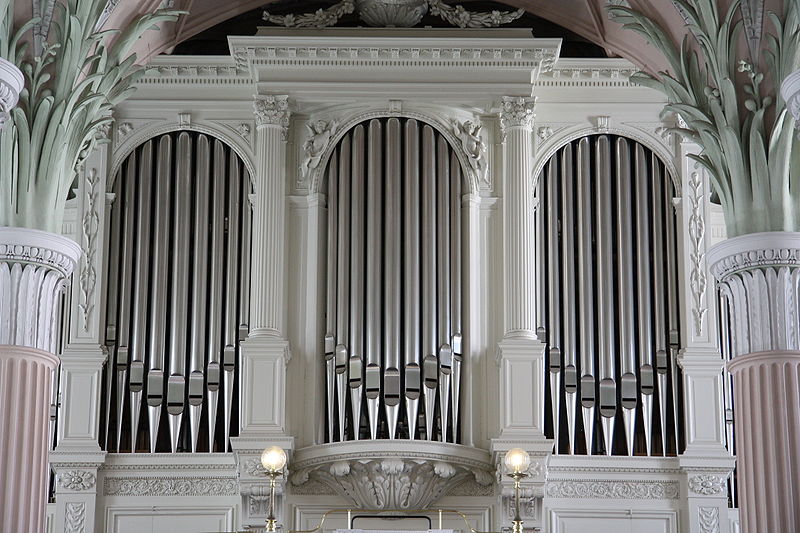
[
  {"x": 723, "y": 83},
  {"x": 75, "y": 73}
]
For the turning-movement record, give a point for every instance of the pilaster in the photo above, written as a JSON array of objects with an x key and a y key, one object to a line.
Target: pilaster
[{"x": 76, "y": 489}]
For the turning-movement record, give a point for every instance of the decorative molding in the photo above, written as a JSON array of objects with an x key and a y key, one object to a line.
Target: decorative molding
[
  {"x": 460, "y": 17},
  {"x": 185, "y": 486},
  {"x": 627, "y": 490},
  {"x": 759, "y": 274},
  {"x": 320, "y": 135},
  {"x": 244, "y": 131},
  {"x": 75, "y": 517},
  {"x": 321, "y": 18},
  {"x": 90, "y": 225},
  {"x": 468, "y": 133},
  {"x": 697, "y": 233},
  {"x": 544, "y": 133},
  {"x": 708, "y": 518},
  {"x": 602, "y": 123},
  {"x": 390, "y": 483},
  {"x": 272, "y": 110},
  {"x": 77, "y": 480},
  {"x": 11, "y": 84},
  {"x": 34, "y": 270},
  {"x": 707, "y": 484},
  {"x": 579, "y": 73},
  {"x": 171, "y": 71},
  {"x": 517, "y": 112}
]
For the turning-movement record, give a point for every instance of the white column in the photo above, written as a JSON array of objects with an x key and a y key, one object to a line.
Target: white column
[
  {"x": 520, "y": 353},
  {"x": 34, "y": 266},
  {"x": 265, "y": 353},
  {"x": 706, "y": 462},
  {"x": 760, "y": 276}
]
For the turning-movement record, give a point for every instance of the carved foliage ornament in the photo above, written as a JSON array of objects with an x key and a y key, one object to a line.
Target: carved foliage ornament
[
  {"x": 629, "y": 490},
  {"x": 90, "y": 224},
  {"x": 194, "y": 486},
  {"x": 77, "y": 480},
  {"x": 517, "y": 112},
  {"x": 708, "y": 518},
  {"x": 11, "y": 83},
  {"x": 395, "y": 13},
  {"x": 697, "y": 232},
  {"x": 707, "y": 484},
  {"x": 272, "y": 110},
  {"x": 391, "y": 483}
]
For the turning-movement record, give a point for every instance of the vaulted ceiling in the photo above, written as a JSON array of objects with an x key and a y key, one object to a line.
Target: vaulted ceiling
[{"x": 586, "y": 18}]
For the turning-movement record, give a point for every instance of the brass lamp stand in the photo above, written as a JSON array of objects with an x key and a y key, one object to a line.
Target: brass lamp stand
[
  {"x": 517, "y": 462},
  {"x": 273, "y": 460}
]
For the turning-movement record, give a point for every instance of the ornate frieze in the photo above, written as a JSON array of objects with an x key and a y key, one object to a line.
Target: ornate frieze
[
  {"x": 184, "y": 486},
  {"x": 272, "y": 110},
  {"x": 77, "y": 480},
  {"x": 708, "y": 484},
  {"x": 11, "y": 84},
  {"x": 517, "y": 112},
  {"x": 627, "y": 490}
]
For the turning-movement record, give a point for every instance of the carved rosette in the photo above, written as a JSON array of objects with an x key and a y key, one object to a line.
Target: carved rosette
[
  {"x": 790, "y": 90},
  {"x": 77, "y": 480},
  {"x": 517, "y": 112},
  {"x": 380, "y": 479},
  {"x": 759, "y": 274},
  {"x": 34, "y": 268},
  {"x": 11, "y": 84},
  {"x": 708, "y": 484},
  {"x": 272, "y": 110}
]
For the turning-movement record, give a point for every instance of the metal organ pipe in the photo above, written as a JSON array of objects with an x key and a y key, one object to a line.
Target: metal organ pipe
[
  {"x": 176, "y": 384},
  {"x": 586, "y": 291},
  {"x": 412, "y": 279},
  {"x": 353, "y": 225},
  {"x": 347, "y": 324},
  {"x": 429, "y": 335},
  {"x": 179, "y": 277},
  {"x": 620, "y": 222},
  {"x": 198, "y": 330},
  {"x": 374, "y": 308},
  {"x": 391, "y": 287},
  {"x": 330, "y": 314},
  {"x": 568, "y": 290},
  {"x": 402, "y": 235}
]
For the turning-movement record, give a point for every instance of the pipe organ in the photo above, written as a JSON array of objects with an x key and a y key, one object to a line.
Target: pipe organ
[
  {"x": 607, "y": 242},
  {"x": 177, "y": 299},
  {"x": 393, "y": 347}
]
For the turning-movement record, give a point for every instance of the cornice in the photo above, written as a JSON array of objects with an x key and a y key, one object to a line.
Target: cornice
[{"x": 204, "y": 70}]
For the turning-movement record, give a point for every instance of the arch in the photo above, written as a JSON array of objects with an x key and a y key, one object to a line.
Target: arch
[
  {"x": 137, "y": 138},
  {"x": 355, "y": 118},
  {"x": 566, "y": 136}
]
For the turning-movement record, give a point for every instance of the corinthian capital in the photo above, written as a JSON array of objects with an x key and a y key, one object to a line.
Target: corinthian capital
[
  {"x": 272, "y": 110},
  {"x": 11, "y": 83},
  {"x": 517, "y": 112}
]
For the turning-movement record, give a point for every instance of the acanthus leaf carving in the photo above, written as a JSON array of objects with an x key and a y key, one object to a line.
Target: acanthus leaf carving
[
  {"x": 517, "y": 112},
  {"x": 272, "y": 110},
  {"x": 629, "y": 490}
]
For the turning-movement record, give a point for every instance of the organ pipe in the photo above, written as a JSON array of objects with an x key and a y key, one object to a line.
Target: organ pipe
[
  {"x": 607, "y": 220},
  {"x": 330, "y": 315},
  {"x": 401, "y": 233},
  {"x": 179, "y": 273}
]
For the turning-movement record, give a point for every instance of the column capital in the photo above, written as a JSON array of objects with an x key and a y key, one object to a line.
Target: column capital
[
  {"x": 11, "y": 84},
  {"x": 517, "y": 112},
  {"x": 272, "y": 110}
]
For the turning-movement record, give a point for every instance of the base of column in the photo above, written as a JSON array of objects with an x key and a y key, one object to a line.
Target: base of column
[
  {"x": 25, "y": 382},
  {"x": 767, "y": 417}
]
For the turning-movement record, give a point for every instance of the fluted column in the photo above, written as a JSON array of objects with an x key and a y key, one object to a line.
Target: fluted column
[
  {"x": 518, "y": 218},
  {"x": 759, "y": 274},
  {"x": 267, "y": 313},
  {"x": 33, "y": 268}
]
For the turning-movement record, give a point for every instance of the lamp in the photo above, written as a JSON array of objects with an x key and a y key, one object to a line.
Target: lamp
[
  {"x": 517, "y": 462},
  {"x": 273, "y": 459}
]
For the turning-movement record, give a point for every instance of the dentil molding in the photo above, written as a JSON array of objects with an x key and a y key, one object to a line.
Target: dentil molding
[
  {"x": 34, "y": 268},
  {"x": 759, "y": 274},
  {"x": 11, "y": 84}
]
